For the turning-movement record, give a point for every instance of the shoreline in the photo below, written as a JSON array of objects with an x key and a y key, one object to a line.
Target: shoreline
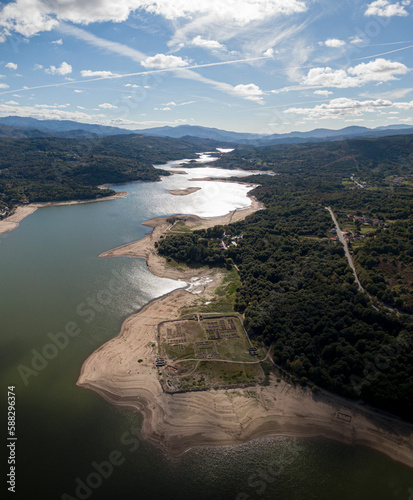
[
  {"x": 145, "y": 248},
  {"x": 23, "y": 211},
  {"x": 181, "y": 421}
]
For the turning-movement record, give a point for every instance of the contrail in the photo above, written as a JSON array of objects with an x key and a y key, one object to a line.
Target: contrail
[
  {"x": 383, "y": 53},
  {"x": 140, "y": 73}
]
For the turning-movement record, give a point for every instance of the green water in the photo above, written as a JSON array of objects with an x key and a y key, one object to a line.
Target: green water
[{"x": 51, "y": 279}]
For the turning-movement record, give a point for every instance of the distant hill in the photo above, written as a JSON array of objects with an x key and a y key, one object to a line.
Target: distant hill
[
  {"x": 70, "y": 129},
  {"x": 316, "y": 135},
  {"x": 60, "y": 128}
]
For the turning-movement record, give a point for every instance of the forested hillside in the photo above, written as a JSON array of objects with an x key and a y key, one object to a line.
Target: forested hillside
[
  {"x": 53, "y": 169},
  {"x": 298, "y": 292}
]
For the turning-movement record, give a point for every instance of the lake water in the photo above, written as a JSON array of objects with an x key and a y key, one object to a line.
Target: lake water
[{"x": 49, "y": 274}]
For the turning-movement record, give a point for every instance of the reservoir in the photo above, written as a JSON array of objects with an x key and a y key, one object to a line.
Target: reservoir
[{"x": 73, "y": 444}]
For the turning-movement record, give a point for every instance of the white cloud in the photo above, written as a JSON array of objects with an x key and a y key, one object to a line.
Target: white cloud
[
  {"x": 38, "y": 66},
  {"x": 51, "y": 106},
  {"x": 384, "y": 8},
  {"x": 31, "y": 17},
  {"x": 133, "y": 85},
  {"x": 334, "y": 42},
  {"x": 63, "y": 69},
  {"x": 269, "y": 52},
  {"x": 379, "y": 70},
  {"x": 11, "y": 65},
  {"x": 48, "y": 112},
  {"x": 162, "y": 61},
  {"x": 404, "y": 105},
  {"x": 4, "y": 86},
  {"x": 356, "y": 40},
  {"x": 12, "y": 103},
  {"x": 58, "y": 42},
  {"x": 107, "y": 105},
  {"x": 87, "y": 73},
  {"x": 328, "y": 77},
  {"x": 251, "y": 92},
  {"x": 198, "y": 41},
  {"x": 169, "y": 105},
  {"x": 325, "y": 93},
  {"x": 341, "y": 107},
  {"x": 78, "y": 91}
]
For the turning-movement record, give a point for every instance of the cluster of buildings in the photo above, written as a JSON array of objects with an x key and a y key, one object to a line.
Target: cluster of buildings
[
  {"x": 228, "y": 240},
  {"x": 366, "y": 221}
]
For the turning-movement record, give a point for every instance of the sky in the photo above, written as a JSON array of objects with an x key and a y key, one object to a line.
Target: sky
[{"x": 260, "y": 66}]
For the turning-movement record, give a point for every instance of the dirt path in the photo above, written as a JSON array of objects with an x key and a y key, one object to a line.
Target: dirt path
[{"x": 346, "y": 250}]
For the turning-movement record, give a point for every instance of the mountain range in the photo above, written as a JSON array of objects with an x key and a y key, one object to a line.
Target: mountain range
[{"x": 16, "y": 126}]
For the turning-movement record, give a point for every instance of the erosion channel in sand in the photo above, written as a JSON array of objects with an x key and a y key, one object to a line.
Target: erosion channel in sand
[{"x": 124, "y": 372}]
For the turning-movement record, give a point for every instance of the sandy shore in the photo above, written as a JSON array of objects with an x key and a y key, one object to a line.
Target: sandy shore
[
  {"x": 178, "y": 422},
  {"x": 11, "y": 222},
  {"x": 145, "y": 248},
  {"x": 184, "y": 192}
]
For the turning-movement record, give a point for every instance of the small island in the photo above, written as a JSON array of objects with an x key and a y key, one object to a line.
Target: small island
[{"x": 183, "y": 192}]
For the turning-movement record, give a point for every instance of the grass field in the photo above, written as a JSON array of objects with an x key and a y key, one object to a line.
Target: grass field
[{"x": 206, "y": 351}]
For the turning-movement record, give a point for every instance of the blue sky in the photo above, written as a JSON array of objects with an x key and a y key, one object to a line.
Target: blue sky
[{"x": 263, "y": 66}]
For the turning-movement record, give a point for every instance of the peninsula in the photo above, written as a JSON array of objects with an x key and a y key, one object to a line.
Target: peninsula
[{"x": 124, "y": 371}]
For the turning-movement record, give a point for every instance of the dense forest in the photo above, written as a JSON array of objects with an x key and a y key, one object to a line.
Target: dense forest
[
  {"x": 297, "y": 290},
  {"x": 55, "y": 169}
]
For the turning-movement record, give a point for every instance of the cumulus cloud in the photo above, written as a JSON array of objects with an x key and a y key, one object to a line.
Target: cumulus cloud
[
  {"x": 198, "y": 41},
  {"x": 268, "y": 52},
  {"x": 379, "y": 70},
  {"x": 338, "y": 108},
  {"x": 4, "y": 86},
  {"x": 404, "y": 105},
  {"x": 12, "y": 103},
  {"x": 46, "y": 112},
  {"x": 357, "y": 40},
  {"x": 87, "y": 73},
  {"x": 385, "y": 8},
  {"x": 58, "y": 42},
  {"x": 63, "y": 69},
  {"x": 11, "y": 65},
  {"x": 162, "y": 61},
  {"x": 328, "y": 77},
  {"x": 251, "y": 92},
  {"x": 334, "y": 42},
  {"x": 29, "y": 18},
  {"x": 78, "y": 91},
  {"x": 107, "y": 105}
]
